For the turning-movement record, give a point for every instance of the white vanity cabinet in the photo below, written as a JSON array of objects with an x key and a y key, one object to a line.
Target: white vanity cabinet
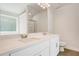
[
  {"x": 33, "y": 50},
  {"x": 48, "y": 46}
]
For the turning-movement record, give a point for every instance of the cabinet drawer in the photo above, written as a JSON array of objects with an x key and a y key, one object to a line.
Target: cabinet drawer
[{"x": 32, "y": 50}]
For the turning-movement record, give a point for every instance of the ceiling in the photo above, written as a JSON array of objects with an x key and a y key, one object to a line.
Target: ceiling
[
  {"x": 34, "y": 9},
  {"x": 13, "y": 7},
  {"x": 18, "y": 8}
]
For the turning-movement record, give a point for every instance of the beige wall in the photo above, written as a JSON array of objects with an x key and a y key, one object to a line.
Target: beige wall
[{"x": 67, "y": 25}]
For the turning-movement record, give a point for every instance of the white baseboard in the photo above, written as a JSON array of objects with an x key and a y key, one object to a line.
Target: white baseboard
[{"x": 72, "y": 48}]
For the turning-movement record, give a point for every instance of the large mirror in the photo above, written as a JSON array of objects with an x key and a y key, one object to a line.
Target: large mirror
[
  {"x": 37, "y": 18},
  {"x": 20, "y": 18}
]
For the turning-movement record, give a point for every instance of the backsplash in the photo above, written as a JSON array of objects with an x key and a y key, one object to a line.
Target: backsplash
[{"x": 16, "y": 36}]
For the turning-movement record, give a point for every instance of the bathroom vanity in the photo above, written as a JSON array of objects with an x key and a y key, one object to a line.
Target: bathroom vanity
[{"x": 33, "y": 45}]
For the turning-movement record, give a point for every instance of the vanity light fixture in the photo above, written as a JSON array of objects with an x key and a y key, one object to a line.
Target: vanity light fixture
[{"x": 44, "y": 5}]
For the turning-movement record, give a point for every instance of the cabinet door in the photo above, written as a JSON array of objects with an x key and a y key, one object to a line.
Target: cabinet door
[
  {"x": 23, "y": 52},
  {"x": 44, "y": 52},
  {"x": 54, "y": 46}
]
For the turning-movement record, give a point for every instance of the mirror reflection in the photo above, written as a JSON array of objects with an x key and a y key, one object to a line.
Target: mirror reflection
[{"x": 21, "y": 18}]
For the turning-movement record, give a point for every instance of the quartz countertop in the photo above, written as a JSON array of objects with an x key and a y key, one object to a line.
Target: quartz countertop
[{"x": 11, "y": 45}]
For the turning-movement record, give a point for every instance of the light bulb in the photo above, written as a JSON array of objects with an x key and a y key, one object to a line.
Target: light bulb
[{"x": 44, "y": 7}]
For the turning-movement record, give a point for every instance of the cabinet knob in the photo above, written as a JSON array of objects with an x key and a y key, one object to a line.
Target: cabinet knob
[
  {"x": 40, "y": 55},
  {"x": 9, "y": 54}
]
